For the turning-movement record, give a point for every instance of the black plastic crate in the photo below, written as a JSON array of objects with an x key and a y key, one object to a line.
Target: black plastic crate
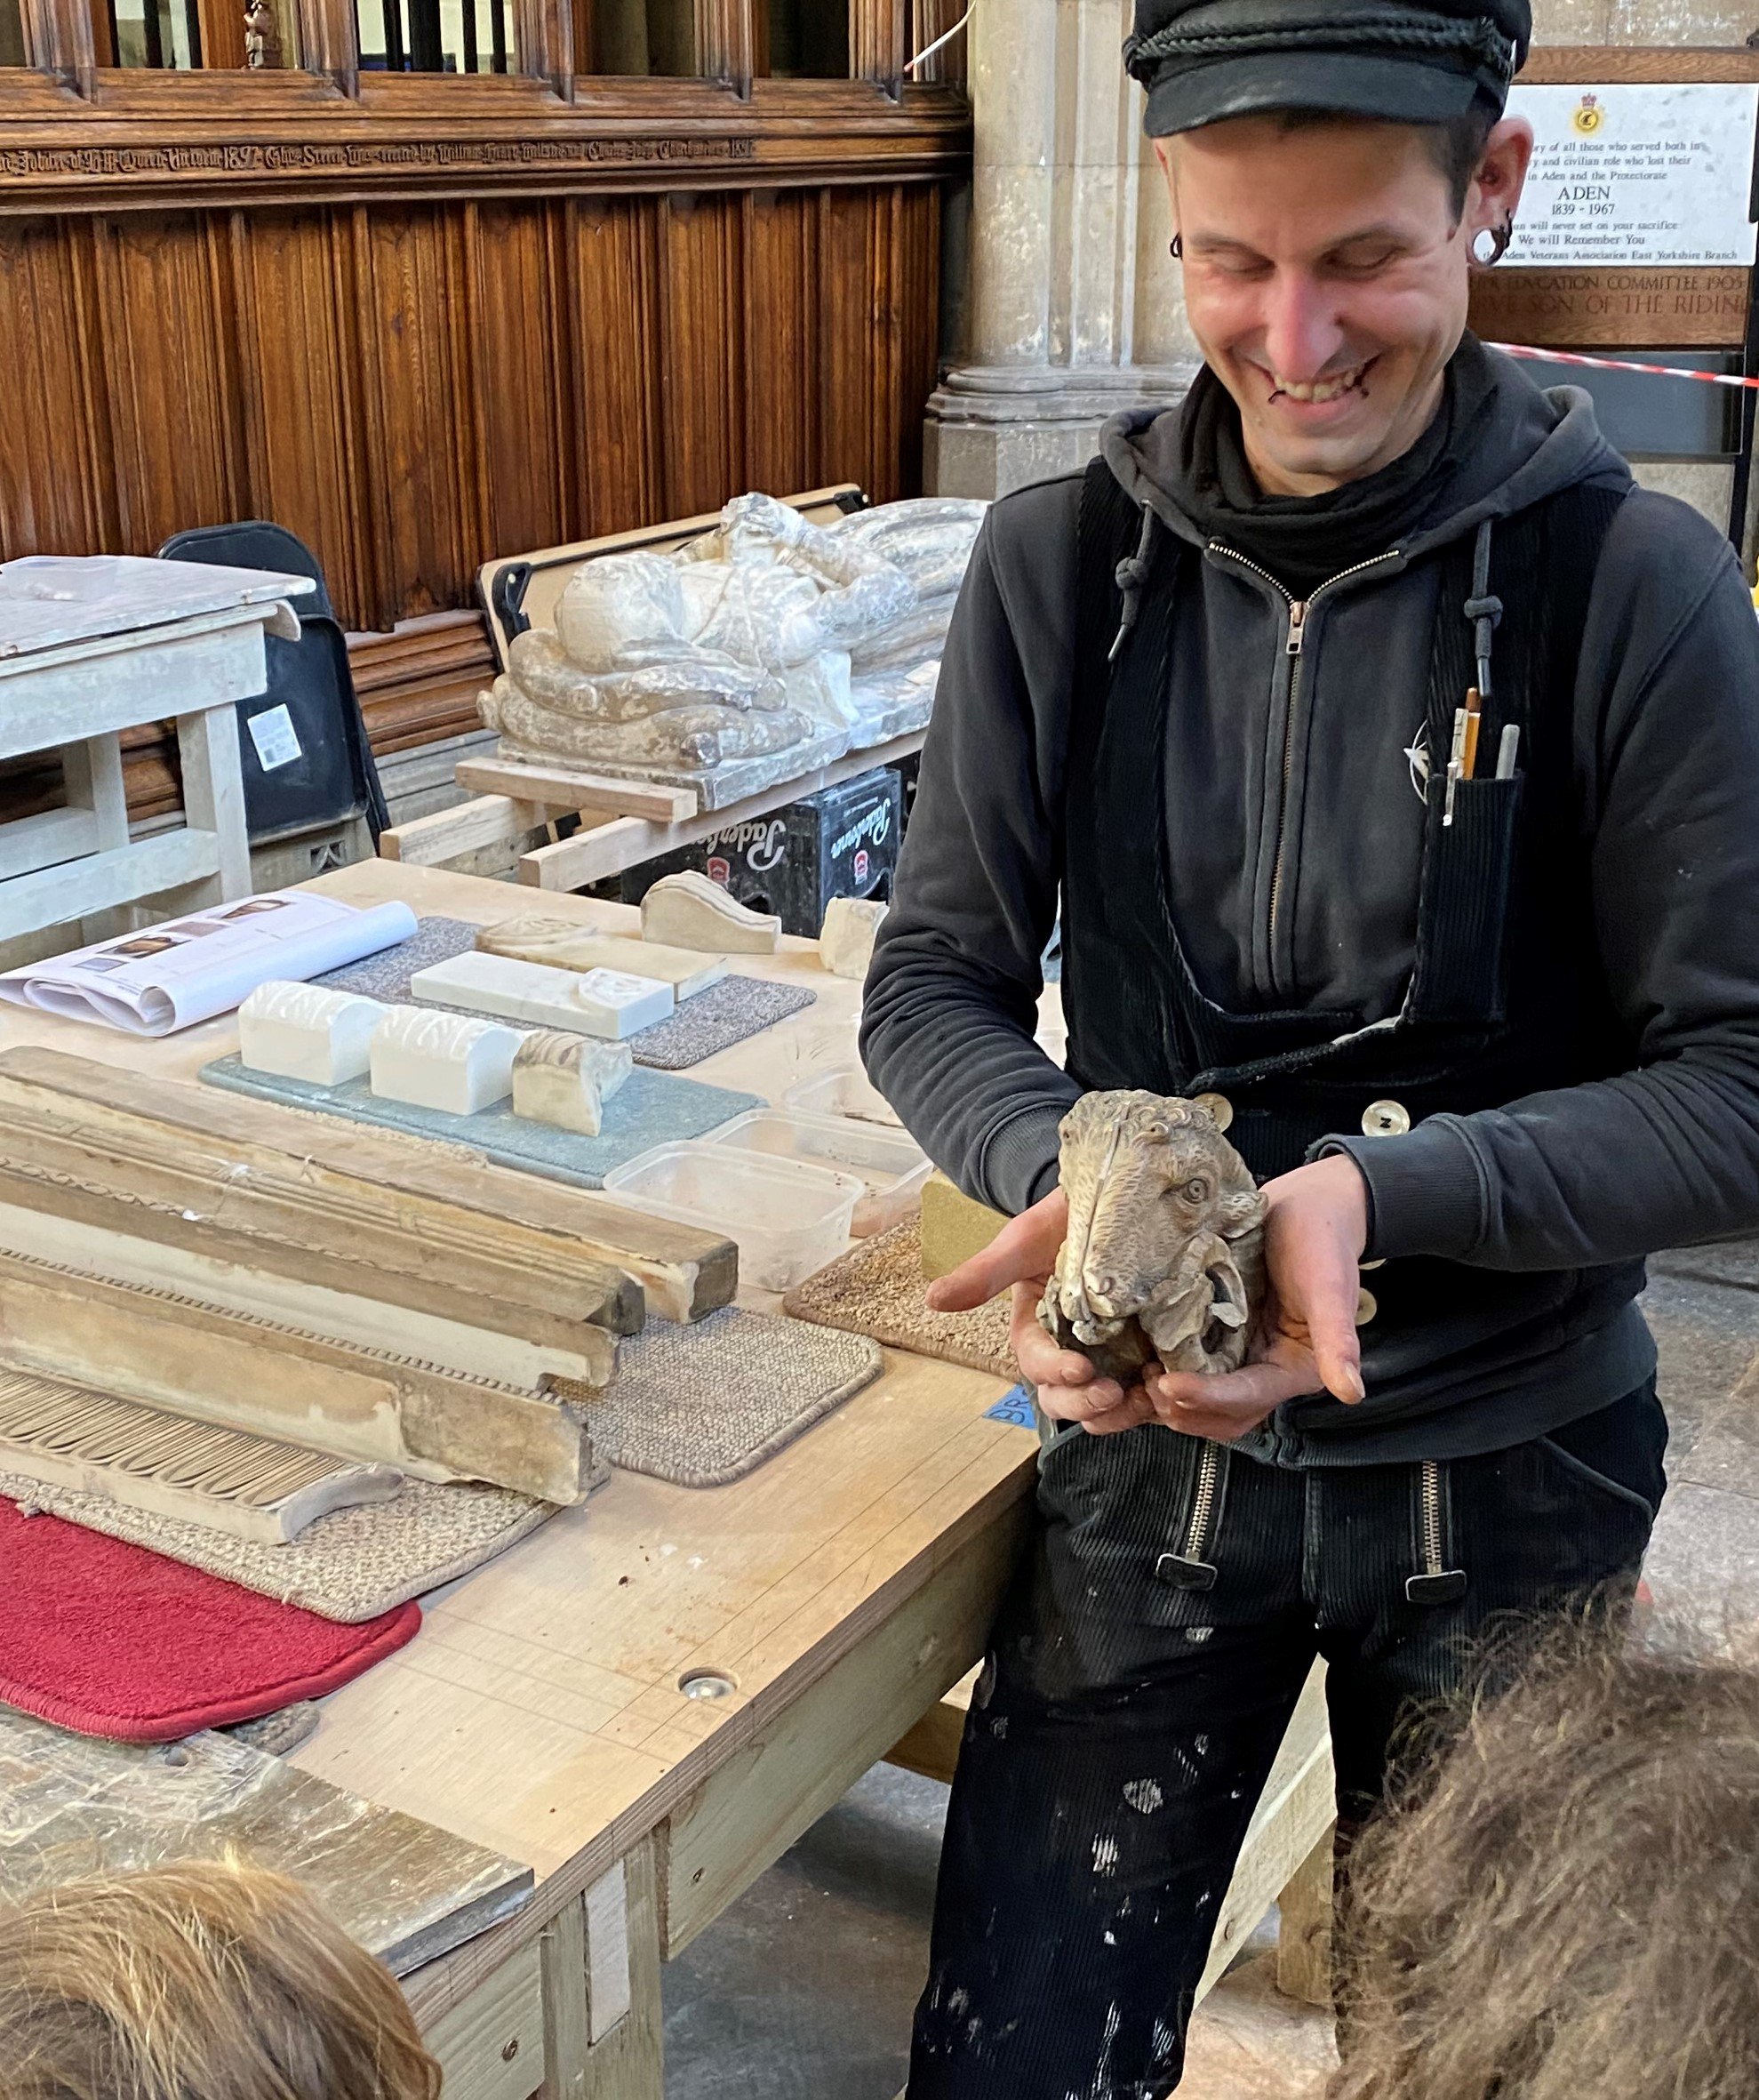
[{"x": 841, "y": 842}]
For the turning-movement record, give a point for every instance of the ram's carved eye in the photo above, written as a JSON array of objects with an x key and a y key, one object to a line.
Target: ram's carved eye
[{"x": 1196, "y": 1189}]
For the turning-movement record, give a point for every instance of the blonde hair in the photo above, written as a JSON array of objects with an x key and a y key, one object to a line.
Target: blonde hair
[
  {"x": 1567, "y": 1907},
  {"x": 206, "y": 1981}
]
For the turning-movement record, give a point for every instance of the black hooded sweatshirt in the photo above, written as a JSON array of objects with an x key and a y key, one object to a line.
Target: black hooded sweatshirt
[{"x": 1665, "y": 782}]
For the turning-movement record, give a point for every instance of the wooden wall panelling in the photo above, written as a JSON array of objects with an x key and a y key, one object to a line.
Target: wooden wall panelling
[
  {"x": 916, "y": 316},
  {"x": 422, "y": 457},
  {"x": 58, "y": 41},
  {"x": 783, "y": 440},
  {"x": 848, "y": 369},
  {"x": 726, "y": 41},
  {"x": 878, "y": 32},
  {"x": 543, "y": 38},
  {"x": 702, "y": 352},
  {"x": 57, "y": 491},
  {"x": 298, "y": 370},
  {"x": 930, "y": 21},
  {"x": 165, "y": 309},
  {"x": 614, "y": 308},
  {"x": 515, "y": 280},
  {"x": 330, "y": 42},
  {"x": 221, "y": 26}
]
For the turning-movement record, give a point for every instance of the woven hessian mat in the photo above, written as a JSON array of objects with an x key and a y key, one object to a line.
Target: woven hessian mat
[
  {"x": 351, "y": 1566},
  {"x": 730, "y": 1011},
  {"x": 704, "y": 1406},
  {"x": 877, "y": 1289}
]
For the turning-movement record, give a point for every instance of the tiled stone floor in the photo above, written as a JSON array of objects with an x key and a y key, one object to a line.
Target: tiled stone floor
[{"x": 804, "y": 1989}]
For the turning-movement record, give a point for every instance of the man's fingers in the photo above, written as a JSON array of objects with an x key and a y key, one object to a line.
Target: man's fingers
[
  {"x": 1131, "y": 1412},
  {"x": 1083, "y": 1403},
  {"x": 1041, "y": 1362},
  {"x": 1331, "y": 1334},
  {"x": 1025, "y": 1248},
  {"x": 1249, "y": 1393}
]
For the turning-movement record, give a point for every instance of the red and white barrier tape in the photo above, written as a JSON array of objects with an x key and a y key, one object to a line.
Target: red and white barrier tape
[{"x": 1715, "y": 378}]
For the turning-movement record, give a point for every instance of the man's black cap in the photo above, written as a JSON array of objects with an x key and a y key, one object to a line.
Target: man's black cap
[{"x": 1202, "y": 60}]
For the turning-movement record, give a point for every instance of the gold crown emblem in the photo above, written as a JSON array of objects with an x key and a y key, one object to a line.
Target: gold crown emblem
[{"x": 1588, "y": 116}]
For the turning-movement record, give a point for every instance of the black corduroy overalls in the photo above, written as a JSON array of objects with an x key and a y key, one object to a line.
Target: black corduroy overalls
[{"x": 1177, "y": 1592}]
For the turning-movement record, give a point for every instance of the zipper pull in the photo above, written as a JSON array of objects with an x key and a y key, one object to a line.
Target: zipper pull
[{"x": 1297, "y": 627}]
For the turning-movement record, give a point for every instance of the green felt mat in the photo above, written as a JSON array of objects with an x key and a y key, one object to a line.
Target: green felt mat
[{"x": 649, "y": 1109}]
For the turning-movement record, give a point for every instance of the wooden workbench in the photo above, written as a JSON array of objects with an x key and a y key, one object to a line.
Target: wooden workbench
[{"x": 842, "y": 1588}]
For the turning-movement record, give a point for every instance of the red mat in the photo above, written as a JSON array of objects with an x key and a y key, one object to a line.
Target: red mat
[{"x": 108, "y": 1638}]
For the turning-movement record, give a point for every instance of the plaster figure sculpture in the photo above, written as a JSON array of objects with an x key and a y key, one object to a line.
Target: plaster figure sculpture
[
  {"x": 691, "y": 910},
  {"x": 609, "y": 1003},
  {"x": 727, "y": 666},
  {"x": 565, "y": 1080},
  {"x": 1164, "y": 1256},
  {"x": 559, "y": 944},
  {"x": 846, "y": 939},
  {"x": 930, "y": 538},
  {"x": 447, "y": 1062},
  {"x": 301, "y": 1031}
]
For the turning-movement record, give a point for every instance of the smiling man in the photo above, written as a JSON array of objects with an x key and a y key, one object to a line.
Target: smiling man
[{"x": 1487, "y": 1028}]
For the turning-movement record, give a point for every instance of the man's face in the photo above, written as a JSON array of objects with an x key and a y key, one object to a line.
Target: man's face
[{"x": 1325, "y": 280}]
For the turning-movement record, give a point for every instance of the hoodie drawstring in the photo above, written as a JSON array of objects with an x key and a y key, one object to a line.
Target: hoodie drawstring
[
  {"x": 1133, "y": 573},
  {"x": 1482, "y": 610}
]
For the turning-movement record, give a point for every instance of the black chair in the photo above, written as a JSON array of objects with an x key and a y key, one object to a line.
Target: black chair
[{"x": 311, "y": 765}]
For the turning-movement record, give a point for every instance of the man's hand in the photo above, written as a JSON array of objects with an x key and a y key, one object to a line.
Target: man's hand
[
  {"x": 1305, "y": 1341},
  {"x": 1023, "y": 1255}
]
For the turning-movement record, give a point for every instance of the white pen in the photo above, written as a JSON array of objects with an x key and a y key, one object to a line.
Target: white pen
[{"x": 1505, "y": 750}]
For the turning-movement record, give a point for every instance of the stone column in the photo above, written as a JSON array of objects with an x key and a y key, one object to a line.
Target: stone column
[{"x": 1075, "y": 308}]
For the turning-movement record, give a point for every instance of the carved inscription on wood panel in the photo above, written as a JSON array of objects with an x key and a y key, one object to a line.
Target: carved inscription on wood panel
[
  {"x": 1576, "y": 309},
  {"x": 26, "y": 163}
]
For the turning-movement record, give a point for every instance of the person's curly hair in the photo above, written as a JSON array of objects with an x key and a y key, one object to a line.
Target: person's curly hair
[
  {"x": 1566, "y": 1907},
  {"x": 206, "y": 1981}
]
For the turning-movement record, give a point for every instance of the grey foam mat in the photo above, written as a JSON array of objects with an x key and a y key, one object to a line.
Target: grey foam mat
[
  {"x": 703, "y": 1405},
  {"x": 649, "y": 1108},
  {"x": 730, "y": 1011}
]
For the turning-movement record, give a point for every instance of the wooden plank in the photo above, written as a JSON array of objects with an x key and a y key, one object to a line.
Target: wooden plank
[
  {"x": 212, "y": 1365},
  {"x": 489, "y": 820},
  {"x": 491, "y": 2047},
  {"x": 608, "y": 849},
  {"x": 1295, "y": 1811},
  {"x": 213, "y": 790},
  {"x": 1636, "y": 309},
  {"x": 747, "y": 1816},
  {"x": 147, "y": 868},
  {"x": 58, "y": 41},
  {"x": 684, "y": 1273},
  {"x": 46, "y": 841},
  {"x": 931, "y": 1748},
  {"x": 1303, "y": 1927},
  {"x": 602, "y": 1992},
  {"x": 555, "y": 787},
  {"x": 1588, "y": 65}
]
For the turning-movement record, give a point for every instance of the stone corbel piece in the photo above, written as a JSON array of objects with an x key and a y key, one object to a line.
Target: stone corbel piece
[
  {"x": 690, "y": 910},
  {"x": 450, "y": 1063},
  {"x": 566, "y": 1080},
  {"x": 1164, "y": 1257},
  {"x": 301, "y": 1031}
]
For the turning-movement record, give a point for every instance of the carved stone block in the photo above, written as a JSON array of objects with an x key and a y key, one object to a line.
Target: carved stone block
[
  {"x": 559, "y": 944},
  {"x": 566, "y": 1080},
  {"x": 608, "y": 1003},
  {"x": 302, "y": 1031},
  {"x": 690, "y": 910},
  {"x": 1164, "y": 1257},
  {"x": 846, "y": 939},
  {"x": 446, "y": 1061}
]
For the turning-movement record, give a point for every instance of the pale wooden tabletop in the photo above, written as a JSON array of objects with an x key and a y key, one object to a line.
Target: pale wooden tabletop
[{"x": 539, "y": 1712}]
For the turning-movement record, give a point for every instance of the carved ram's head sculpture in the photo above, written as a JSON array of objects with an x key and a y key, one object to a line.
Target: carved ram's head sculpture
[{"x": 1164, "y": 1256}]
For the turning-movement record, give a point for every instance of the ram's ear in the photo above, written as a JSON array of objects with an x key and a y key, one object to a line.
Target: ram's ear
[{"x": 1239, "y": 1211}]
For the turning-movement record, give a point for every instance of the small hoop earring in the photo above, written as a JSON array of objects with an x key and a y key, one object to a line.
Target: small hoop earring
[
  {"x": 1176, "y": 247},
  {"x": 1499, "y": 237}
]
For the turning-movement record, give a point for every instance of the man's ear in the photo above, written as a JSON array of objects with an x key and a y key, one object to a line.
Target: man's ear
[{"x": 1494, "y": 195}]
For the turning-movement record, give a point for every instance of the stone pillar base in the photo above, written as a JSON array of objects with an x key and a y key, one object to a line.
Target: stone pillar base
[{"x": 994, "y": 428}]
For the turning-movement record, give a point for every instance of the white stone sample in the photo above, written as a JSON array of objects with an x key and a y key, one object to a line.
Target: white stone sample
[
  {"x": 301, "y": 1031},
  {"x": 609, "y": 1003},
  {"x": 846, "y": 939},
  {"x": 566, "y": 1080},
  {"x": 451, "y": 1062},
  {"x": 560, "y": 945},
  {"x": 690, "y": 910}
]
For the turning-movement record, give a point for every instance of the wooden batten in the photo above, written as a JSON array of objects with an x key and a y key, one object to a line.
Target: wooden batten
[
  {"x": 211, "y": 1364},
  {"x": 481, "y": 1219},
  {"x": 58, "y": 41}
]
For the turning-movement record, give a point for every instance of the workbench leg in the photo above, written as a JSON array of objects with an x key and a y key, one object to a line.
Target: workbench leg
[
  {"x": 1304, "y": 1930},
  {"x": 214, "y": 795},
  {"x": 603, "y": 2035},
  {"x": 92, "y": 774}
]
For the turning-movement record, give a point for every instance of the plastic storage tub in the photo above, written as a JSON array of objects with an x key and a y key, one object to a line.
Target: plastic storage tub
[
  {"x": 843, "y": 1091},
  {"x": 893, "y": 1165},
  {"x": 787, "y": 1218}
]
